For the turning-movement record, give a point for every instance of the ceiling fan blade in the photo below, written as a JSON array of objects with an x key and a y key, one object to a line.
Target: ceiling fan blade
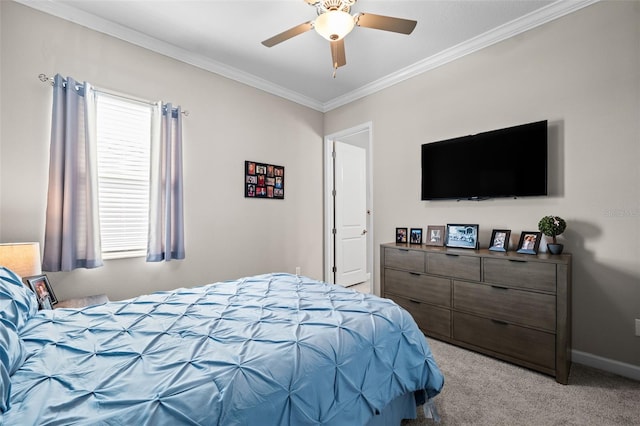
[
  {"x": 338, "y": 56},
  {"x": 387, "y": 23},
  {"x": 286, "y": 35}
]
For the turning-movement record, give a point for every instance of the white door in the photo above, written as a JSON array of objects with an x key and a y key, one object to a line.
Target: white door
[{"x": 350, "y": 184}]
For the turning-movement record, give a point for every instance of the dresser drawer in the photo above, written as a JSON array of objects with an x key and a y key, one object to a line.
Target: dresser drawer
[
  {"x": 430, "y": 319},
  {"x": 512, "y": 305},
  {"x": 521, "y": 273},
  {"x": 404, "y": 259},
  {"x": 536, "y": 347},
  {"x": 425, "y": 288},
  {"x": 454, "y": 265}
]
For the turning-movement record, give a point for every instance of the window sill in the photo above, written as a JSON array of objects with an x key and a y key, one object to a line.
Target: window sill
[{"x": 123, "y": 254}]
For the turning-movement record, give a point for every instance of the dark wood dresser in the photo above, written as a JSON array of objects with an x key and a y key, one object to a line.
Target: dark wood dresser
[{"x": 512, "y": 306}]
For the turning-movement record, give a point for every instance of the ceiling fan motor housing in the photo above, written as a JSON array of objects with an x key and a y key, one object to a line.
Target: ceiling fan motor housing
[{"x": 328, "y": 5}]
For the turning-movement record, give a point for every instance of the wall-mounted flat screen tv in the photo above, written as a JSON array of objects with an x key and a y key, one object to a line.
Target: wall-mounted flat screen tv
[{"x": 510, "y": 162}]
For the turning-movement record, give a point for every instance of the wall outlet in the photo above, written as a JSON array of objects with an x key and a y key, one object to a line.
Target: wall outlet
[
  {"x": 298, "y": 273},
  {"x": 638, "y": 327}
]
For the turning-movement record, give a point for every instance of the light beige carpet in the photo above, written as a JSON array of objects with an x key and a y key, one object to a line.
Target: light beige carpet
[{"x": 480, "y": 390}]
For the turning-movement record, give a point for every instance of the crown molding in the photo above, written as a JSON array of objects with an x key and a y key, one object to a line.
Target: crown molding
[
  {"x": 95, "y": 23},
  {"x": 532, "y": 20}
]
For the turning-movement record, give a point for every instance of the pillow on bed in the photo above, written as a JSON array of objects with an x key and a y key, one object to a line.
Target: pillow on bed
[
  {"x": 17, "y": 302},
  {"x": 12, "y": 356}
]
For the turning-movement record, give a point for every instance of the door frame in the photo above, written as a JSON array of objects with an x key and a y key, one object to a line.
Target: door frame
[{"x": 329, "y": 223}]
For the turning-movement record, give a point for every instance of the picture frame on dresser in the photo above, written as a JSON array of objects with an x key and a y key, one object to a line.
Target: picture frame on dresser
[
  {"x": 462, "y": 236},
  {"x": 401, "y": 235},
  {"x": 500, "y": 240},
  {"x": 529, "y": 242},
  {"x": 415, "y": 236},
  {"x": 39, "y": 284},
  {"x": 435, "y": 236}
]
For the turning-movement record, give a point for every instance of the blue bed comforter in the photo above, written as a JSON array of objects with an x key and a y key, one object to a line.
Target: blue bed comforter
[{"x": 273, "y": 349}]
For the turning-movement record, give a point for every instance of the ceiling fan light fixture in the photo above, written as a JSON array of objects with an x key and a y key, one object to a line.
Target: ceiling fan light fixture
[{"x": 334, "y": 24}]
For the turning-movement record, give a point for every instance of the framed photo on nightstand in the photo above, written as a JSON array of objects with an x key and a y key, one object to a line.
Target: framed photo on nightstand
[{"x": 39, "y": 284}]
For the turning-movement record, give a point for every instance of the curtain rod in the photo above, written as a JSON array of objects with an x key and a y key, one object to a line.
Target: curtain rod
[{"x": 46, "y": 79}]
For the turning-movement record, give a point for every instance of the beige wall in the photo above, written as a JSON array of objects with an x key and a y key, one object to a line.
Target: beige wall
[
  {"x": 227, "y": 236},
  {"x": 1, "y": 61},
  {"x": 581, "y": 73}
]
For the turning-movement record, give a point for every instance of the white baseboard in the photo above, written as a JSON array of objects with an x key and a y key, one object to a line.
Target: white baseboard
[{"x": 612, "y": 366}]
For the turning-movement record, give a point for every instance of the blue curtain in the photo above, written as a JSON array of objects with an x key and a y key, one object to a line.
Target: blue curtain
[
  {"x": 72, "y": 232},
  {"x": 166, "y": 218}
]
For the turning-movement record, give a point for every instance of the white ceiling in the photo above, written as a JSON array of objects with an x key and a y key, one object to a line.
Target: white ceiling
[{"x": 224, "y": 36}]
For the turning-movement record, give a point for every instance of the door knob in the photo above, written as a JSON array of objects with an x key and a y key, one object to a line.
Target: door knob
[{"x": 364, "y": 231}]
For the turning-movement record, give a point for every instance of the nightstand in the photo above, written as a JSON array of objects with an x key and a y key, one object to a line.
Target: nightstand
[{"x": 82, "y": 302}]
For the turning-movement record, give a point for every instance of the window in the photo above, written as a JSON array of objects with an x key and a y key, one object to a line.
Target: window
[{"x": 124, "y": 143}]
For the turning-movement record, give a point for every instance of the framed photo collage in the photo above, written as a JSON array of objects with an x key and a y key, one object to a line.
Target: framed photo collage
[{"x": 263, "y": 180}]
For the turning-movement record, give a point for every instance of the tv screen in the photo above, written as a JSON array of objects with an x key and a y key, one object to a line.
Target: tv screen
[{"x": 510, "y": 162}]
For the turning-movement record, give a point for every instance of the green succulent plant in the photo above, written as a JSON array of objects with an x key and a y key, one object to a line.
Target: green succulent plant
[{"x": 552, "y": 226}]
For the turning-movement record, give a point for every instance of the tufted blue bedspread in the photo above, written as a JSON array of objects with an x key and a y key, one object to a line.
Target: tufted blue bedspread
[{"x": 273, "y": 349}]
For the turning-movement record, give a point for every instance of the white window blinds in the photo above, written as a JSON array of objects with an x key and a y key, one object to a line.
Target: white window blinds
[{"x": 124, "y": 138}]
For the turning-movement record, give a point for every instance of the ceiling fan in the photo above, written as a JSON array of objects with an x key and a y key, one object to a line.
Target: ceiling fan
[{"x": 334, "y": 22}]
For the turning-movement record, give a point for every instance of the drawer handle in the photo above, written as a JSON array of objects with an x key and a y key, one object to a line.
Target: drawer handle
[
  {"x": 499, "y": 322},
  {"x": 499, "y": 288},
  {"x": 452, "y": 254},
  {"x": 414, "y": 273},
  {"x": 517, "y": 261},
  {"x": 403, "y": 249},
  {"x": 414, "y": 301}
]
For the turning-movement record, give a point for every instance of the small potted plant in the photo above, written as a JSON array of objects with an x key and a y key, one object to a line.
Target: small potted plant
[{"x": 552, "y": 226}]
